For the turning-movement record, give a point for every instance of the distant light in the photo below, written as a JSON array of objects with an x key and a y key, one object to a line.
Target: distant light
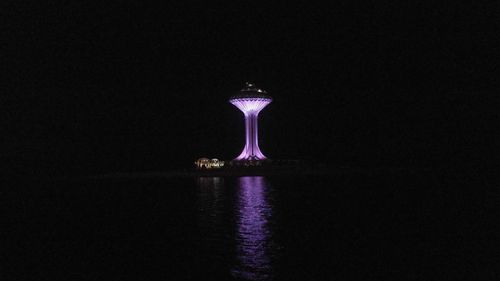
[{"x": 205, "y": 163}]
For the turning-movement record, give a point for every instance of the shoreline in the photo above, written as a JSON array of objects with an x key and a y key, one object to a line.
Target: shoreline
[{"x": 255, "y": 172}]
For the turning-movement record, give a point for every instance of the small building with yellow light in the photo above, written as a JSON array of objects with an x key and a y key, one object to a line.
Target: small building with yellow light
[{"x": 205, "y": 163}]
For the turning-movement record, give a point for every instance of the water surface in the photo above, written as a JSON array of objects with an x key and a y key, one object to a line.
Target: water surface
[{"x": 393, "y": 226}]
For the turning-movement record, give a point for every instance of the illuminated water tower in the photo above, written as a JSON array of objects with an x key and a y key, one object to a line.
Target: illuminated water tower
[{"x": 251, "y": 100}]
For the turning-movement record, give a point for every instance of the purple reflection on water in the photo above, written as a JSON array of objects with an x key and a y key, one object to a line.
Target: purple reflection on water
[{"x": 253, "y": 237}]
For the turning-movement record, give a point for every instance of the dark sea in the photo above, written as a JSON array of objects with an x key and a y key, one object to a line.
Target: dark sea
[{"x": 350, "y": 226}]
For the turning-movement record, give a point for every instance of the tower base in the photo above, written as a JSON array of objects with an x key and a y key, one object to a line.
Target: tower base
[{"x": 250, "y": 162}]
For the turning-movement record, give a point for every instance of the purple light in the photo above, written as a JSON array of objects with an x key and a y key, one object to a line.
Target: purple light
[
  {"x": 254, "y": 235},
  {"x": 251, "y": 101}
]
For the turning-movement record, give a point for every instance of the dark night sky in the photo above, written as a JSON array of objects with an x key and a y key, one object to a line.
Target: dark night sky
[{"x": 128, "y": 86}]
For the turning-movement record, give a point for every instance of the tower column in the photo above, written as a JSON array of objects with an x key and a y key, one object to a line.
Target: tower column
[
  {"x": 252, "y": 136},
  {"x": 251, "y": 101}
]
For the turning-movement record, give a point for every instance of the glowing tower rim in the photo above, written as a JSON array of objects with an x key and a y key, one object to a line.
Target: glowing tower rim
[{"x": 251, "y": 100}]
